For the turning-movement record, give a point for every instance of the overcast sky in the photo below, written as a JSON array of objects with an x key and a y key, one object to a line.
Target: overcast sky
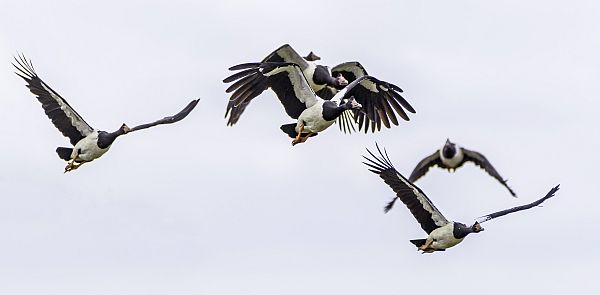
[{"x": 201, "y": 208}]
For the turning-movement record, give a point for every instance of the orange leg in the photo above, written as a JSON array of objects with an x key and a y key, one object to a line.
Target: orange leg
[
  {"x": 299, "y": 136},
  {"x": 425, "y": 247},
  {"x": 72, "y": 165}
]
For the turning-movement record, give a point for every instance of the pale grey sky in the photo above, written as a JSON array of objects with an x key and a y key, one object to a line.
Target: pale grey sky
[{"x": 201, "y": 208}]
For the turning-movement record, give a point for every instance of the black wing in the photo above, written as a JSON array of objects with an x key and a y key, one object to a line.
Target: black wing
[
  {"x": 286, "y": 80},
  {"x": 169, "y": 120},
  {"x": 425, "y": 164},
  {"x": 519, "y": 208},
  {"x": 417, "y": 202},
  {"x": 481, "y": 161},
  {"x": 380, "y": 101},
  {"x": 63, "y": 116},
  {"x": 250, "y": 83},
  {"x": 351, "y": 70}
]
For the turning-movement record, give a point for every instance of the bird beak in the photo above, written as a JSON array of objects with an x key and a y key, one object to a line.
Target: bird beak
[
  {"x": 126, "y": 128},
  {"x": 341, "y": 81},
  {"x": 312, "y": 57}
]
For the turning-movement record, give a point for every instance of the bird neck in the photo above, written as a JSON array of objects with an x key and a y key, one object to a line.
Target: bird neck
[
  {"x": 331, "y": 111},
  {"x": 321, "y": 76},
  {"x": 105, "y": 139},
  {"x": 460, "y": 230}
]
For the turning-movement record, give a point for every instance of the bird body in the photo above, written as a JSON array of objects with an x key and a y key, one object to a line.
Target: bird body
[
  {"x": 312, "y": 118},
  {"x": 87, "y": 149},
  {"x": 441, "y": 233},
  {"x": 381, "y": 100},
  {"x": 452, "y": 156},
  {"x": 444, "y": 237},
  {"x": 313, "y": 113},
  {"x": 88, "y": 143}
]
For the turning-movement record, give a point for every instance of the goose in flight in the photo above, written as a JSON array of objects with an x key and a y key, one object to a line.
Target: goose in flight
[
  {"x": 318, "y": 78},
  {"x": 442, "y": 233},
  {"x": 88, "y": 143},
  {"x": 452, "y": 156},
  {"x": 314, "y": 114},
  {"x": 249, "y": 84}
]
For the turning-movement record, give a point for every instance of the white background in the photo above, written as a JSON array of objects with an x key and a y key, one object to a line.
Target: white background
[{"x": 201, "y": 208}]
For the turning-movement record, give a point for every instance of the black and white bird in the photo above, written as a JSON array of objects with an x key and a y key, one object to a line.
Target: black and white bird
[
  {"x": 318, "y": 77},
  {"x": 442, "y": 233},
  {"x": 313, "y": 113},
  {"x": 452, "y": 156},
  {"x": 88, "y": 143},
  {"x": 248, "y": 84}
]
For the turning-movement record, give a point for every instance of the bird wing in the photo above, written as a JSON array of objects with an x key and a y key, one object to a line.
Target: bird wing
[
  {"x": 286, "y": 80},
  {"x": 380, "y": 101},
  {"x": 413, "y": 197},
  {"x": 249, "y": 83},
  {"x": 425, "y": 164},
  {"x": 351, "y": 70},
  {"x": 519, "y": 208},
  {"x": 62, "y": 115},
  {"x": 481, "y": 161},
  {"x": 171, "y": 119}
]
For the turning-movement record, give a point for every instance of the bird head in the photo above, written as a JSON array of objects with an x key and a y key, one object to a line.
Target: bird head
[
  {"x": 340, "y": 82},
  {"x": 449, "y": 149},
  {"x": 352, "y": 104},
  {"x": 124, "y": 128},
  {"x": 476, "y": 227},
  {"x": 312, "y": 57}
]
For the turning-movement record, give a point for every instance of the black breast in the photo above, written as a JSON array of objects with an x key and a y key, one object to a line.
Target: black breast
[
  {"x": 460, "y": 230},
  {"x": 449, "y": 151},
  {"x": 321, "y": 76},
  {"x": 105, "y": 139},
  {"x": 331, "y": 111}
]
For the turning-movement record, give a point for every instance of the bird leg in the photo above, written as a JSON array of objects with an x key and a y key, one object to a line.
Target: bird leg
[
  {"x": 299, "y": 136},
  {"x": 71, "y": 165},
  {"x": 425, "y": 247},
  {"x": 305, "y": 138}
]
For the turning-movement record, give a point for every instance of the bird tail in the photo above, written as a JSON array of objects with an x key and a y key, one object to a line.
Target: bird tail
[
  {"x": 289, "y": 129},
  {"x": 419, "y": 242},
  {"x": 64, "y": 153}
]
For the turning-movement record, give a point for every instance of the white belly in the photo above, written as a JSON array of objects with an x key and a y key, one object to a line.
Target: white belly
[
  {"x": 454, "y": 161},
  {"x": 87, "y": 149},
  {"x": 443, "y": 237},
  {"x": 313, "y": 119}
]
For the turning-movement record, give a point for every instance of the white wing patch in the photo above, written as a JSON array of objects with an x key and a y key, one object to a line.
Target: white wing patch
[
  {"x": 369, "y": 85},
  {"x": 75, "y": 119},
  {"x": 301, "y": 88},
  {"x": 350, "y": 67},
  {"x": 290, "y": 55}
]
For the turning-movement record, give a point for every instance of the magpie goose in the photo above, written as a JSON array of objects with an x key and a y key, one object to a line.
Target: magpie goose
[
  {"x": 442, "y": 233},
  {"x": 89, "y": 143},
  {"x": 318, "y": 78},
  {"x": 452, "y": 156},
  {"x": 351, "y": 71},
  {"x": 313, "y": 113}
]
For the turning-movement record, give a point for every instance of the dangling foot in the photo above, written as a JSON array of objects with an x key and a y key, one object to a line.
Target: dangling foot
[
  {"x": 303, "y": 139},
  {"x": 72, "y": 165},
  {"x": 425, "y": 247},
  {"x": 299, "y": 136}
]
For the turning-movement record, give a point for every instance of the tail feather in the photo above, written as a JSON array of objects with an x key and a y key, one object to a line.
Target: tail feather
[
  {"x": 419, "y": 242},
  {"x": 64, "y": 153},
  {"x": 289, "y": 129}
]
